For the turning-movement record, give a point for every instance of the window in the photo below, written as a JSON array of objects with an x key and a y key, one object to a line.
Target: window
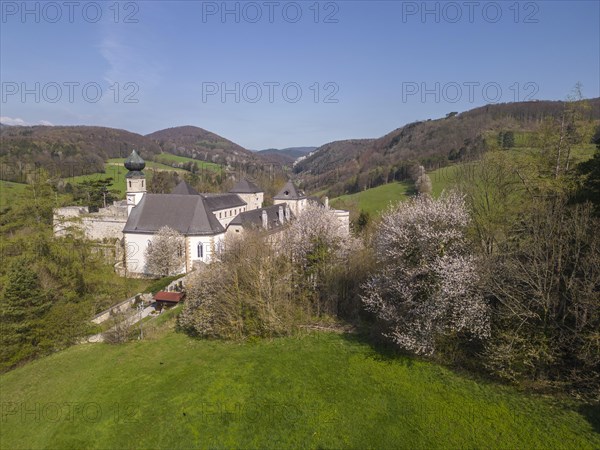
[
  {"x": 179, "y": 251},
  {"x": 149, "y": 243},
  {"x": 130, "y": 184},
  {"x": 200, "y": 250},
  {"x": 219, "y": 215}
]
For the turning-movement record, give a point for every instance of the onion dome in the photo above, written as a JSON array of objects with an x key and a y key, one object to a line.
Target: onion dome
[{"x": 135, "y": 164}]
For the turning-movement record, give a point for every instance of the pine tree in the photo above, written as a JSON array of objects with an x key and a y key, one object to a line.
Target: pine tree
[{"x": 22, "y": 308}]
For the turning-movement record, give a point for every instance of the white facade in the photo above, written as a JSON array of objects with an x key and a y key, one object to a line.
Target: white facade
[
  {"x": 297, "y": 206},
  {"x": 227, "y": 215},
  {"x": 254, "y": 201},
  {"x": 197, "y": 249}
]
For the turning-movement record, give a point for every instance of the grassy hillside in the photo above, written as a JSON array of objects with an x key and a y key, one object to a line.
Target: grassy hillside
[
  {"x": 9, "y": 189},
  {"x": 114, "y": 169},
  {"x": 374, "y": 200},
  {"x": 168, "y": 159},
  {"x": 316, "y": 391}
]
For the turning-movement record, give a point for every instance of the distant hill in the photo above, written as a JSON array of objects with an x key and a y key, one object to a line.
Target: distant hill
[
  {"x": 197, "y": 143},
  {"x": 353, "y": 165},
  {"x": 66, "y": 150},
  {"x": 284, "y": 156}
]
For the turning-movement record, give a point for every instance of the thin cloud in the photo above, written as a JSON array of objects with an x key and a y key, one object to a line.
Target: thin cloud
[{"x": 18, "y": 122}]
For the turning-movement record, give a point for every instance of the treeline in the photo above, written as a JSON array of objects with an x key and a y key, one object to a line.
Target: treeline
[{"x": 500, "y": 277}]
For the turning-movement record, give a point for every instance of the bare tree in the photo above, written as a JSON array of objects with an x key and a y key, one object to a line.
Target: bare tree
[
  {"x": 120, "y": 329},
  {"x": 165, "y": 255},
  {"x": 546, "y": 288}
]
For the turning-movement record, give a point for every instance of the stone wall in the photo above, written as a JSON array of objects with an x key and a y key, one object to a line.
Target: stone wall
[{"x": 107, "y": 223}]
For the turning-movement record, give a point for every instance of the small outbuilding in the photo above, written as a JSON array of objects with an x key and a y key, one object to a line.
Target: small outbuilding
[{"x": 167, "y": 299}]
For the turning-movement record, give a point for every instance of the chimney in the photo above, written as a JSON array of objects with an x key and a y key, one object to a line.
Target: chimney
[
  {"x": 280, "y": 215},
  {"x": 326, "y": 202},
  {"x": 265, "y": 220}
]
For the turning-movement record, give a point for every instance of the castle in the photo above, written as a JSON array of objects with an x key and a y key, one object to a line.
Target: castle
[{"x": 202, "y": 219}]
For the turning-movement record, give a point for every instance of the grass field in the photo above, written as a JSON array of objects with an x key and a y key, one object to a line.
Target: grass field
[
  {"x": 149, "y": 165},
  {"x": 315, "y": 391},
  {"x": 114, "y": 169},
  {"x": 374, "y": 200},
  {"x": 167, "y": 158},
  {"x": 9, "y": 189}
]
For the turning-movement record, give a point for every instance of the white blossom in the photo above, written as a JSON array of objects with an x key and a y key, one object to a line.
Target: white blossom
[
  {"x": 165, "y": 254},
  {"x": 427, "y": 282}
]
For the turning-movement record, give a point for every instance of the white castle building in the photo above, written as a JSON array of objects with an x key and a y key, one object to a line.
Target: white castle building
[{"x": 202, "y": 219}]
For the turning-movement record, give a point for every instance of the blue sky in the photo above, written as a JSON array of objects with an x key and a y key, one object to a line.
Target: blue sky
[{"x": 284, "y": 74}]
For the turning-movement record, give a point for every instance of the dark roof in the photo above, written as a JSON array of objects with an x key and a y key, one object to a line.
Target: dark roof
[
  {"x": 223, "y": 201},
  {"x": 184, "y": 189},
  {"x": 134, "y": 164},
  {"x": 188, "y": 214},
  {"x": 245, "y": 187},
  {"x": 289, "y": 192},
  {"x": 164, "y": 296},
  {"x": 253, "y": 218}
]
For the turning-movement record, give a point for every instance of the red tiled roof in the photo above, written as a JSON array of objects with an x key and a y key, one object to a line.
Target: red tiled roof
[{"x": 168, "y": 296}]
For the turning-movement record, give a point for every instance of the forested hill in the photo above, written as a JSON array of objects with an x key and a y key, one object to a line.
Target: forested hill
[
  {"x": 195, "y": 142},
  {"x": 353, "y": 165},
  {"x": 70, "y": 150},
  {"x": 284, "y": 156},
  {"x": 77, "y": 150}
]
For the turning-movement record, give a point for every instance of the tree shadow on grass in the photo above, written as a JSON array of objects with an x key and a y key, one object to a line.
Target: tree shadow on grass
[
  {"x": 591, "y": 413},
  {"x": 381, "y": 350}
]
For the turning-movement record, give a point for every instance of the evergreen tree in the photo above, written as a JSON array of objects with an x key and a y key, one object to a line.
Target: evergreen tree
[{"x": 22, "y": 308}]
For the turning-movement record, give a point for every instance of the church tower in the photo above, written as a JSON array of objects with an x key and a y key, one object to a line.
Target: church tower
[{"x": 135, "y": 180}]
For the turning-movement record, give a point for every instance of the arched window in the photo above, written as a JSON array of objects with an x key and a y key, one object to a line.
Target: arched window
[{"x": 200, "y": 250}]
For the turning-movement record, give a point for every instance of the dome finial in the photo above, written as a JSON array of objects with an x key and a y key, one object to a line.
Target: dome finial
[{"x": 135, "y": 164}]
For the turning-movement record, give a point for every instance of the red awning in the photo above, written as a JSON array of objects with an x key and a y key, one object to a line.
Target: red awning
[{"x": 173, "y": 297}]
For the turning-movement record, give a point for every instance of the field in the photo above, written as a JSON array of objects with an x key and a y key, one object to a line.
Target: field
[
  {"x": 313, "y": 391},
  {"x": 374, "y": 200},
  {"x": 168, "y": 158},
  {"x": 114, "y": 169},
  {"x": 9, "y": 189}
]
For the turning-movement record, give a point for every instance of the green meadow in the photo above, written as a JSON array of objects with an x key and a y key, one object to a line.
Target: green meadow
[
  {"x": 8, "y": 190},
  {"x": 376, "y": 199},
  {"x": 114, "y": 169},
  {"x": 316, "y": 390},
  {"x": 168, "y": 159}
]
